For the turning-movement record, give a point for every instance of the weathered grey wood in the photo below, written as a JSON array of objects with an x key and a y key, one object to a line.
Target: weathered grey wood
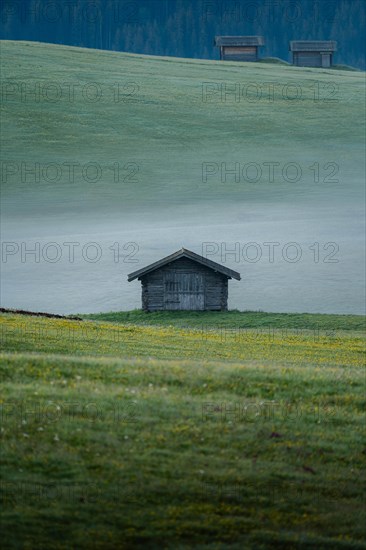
[
  {"x": 239, "y": 48},
  {"x": 184, "y": 253},
  {"x": 313, "y": 46},
  {"x": 184, "y": 283},
  {"x": 240, "y": 53},
  {"x": 313, "y": 53},
  {"x": 239, "y": 41}
]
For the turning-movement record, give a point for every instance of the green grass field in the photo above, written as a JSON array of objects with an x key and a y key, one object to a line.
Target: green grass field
[
  {"x": 166, "y": 122},
  {"x": 178, "y": 432},
  {"x": 237, "y": 320},
  {"x": 64, "y": 104}
]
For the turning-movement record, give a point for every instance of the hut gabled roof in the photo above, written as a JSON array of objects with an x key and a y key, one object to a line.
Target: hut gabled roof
[
  {"x": 239, "y": 41},
  {"x": 313, "y": 46},
  {"x": 184, "y": 253}
]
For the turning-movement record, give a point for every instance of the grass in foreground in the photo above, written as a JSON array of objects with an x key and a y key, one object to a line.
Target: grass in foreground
[
  {"x": 124, "y": 435},
  {"x": 235, "y": 320}
]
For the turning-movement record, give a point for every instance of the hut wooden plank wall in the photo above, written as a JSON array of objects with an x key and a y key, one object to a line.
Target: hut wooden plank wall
[
  {"x": 313, "y": 53},
  {"x": 239, "y": 48},
  {"x": 184, "y": 281}
]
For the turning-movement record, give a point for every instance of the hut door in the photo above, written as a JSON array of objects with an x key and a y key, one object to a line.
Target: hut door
[
  {"x": 310, "y": 59},
  {"x": 184, "y": 291}
]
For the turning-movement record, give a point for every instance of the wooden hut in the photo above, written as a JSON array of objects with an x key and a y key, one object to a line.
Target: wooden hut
[
  {"x": 239, "y": 48},
  {"x": 313, "y": 53},
  {"x": 184, "y": 281}
]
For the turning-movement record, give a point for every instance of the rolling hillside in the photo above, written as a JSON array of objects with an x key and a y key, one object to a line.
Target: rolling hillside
[
  {"x": 118, "y": 436},
  {"x": 222, "y": 430},
  {"x": 106, "y": 107},
  {"x": 112, "y": 147}
]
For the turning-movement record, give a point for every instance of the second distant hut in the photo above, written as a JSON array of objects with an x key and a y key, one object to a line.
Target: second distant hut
[{"x": 313, "y": 53}]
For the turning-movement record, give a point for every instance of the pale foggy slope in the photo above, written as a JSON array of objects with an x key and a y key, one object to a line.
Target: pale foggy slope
[{"x": 109, "y": 147}]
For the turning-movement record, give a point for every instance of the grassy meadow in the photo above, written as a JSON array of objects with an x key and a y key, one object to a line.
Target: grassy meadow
[
  {"x": 108, "y": 147},
  {"x": 180, "y": 430},
  {"x": 240, "y": 430},
  {"x": 160, "y": 119}
]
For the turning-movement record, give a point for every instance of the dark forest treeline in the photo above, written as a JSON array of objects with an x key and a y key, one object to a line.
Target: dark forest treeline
[{"x": 186, "y": 28}]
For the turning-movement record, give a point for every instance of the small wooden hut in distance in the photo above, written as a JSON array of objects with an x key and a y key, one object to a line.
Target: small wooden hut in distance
[
  {"x": 184, "y": 281},
  {"x": 313, "y": 53},
  {"x": 239, "y": 48}
]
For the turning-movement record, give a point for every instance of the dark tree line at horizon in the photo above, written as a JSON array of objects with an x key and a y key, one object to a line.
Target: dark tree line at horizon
[{"x": 186, "y": 28}]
